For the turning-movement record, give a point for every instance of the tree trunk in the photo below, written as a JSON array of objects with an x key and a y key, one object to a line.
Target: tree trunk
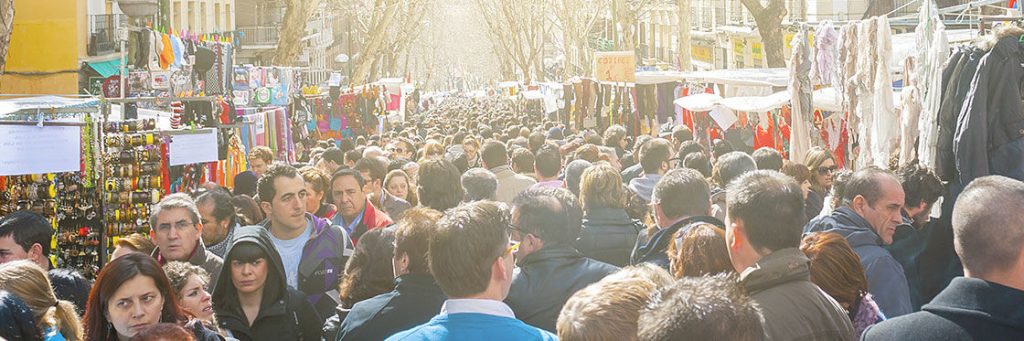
[
  {"x": 6, "y": 28},
  {"x": 769, "y": 26},
  {"x": 289, "y": 41},
  {"x": 684, "y": 34}
]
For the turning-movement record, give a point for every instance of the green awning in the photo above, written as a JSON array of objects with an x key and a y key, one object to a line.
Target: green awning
[{"x": 107, "y": 68}]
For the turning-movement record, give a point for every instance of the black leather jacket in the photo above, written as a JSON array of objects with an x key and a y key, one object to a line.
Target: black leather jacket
[
  {"x": 547, "y": 278},
  {"x": 608, "y": 235}
]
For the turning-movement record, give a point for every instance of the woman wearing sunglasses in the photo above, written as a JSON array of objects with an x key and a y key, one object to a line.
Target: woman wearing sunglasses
[{"x": 822, "y": 167}]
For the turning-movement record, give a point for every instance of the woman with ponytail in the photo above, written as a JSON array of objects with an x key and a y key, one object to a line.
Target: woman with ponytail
[{"x": 56, "y": 319}]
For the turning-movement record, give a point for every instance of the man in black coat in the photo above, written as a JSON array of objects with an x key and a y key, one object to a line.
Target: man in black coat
[
  {"x": 681, "y": 199},
  {"x": 546, "y": 222},
  {"x": 416, "y": 298},
  {"x": 988, "y": 234}
]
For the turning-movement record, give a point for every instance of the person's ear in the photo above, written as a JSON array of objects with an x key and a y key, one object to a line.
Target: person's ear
[
  {"x": 199, "y": 228},
  {"x": 739, "y": 234},
  {"x": 36, "y": 250},
  {"x": 858, "y": 203},
  {"x": 266, "y": 207}
]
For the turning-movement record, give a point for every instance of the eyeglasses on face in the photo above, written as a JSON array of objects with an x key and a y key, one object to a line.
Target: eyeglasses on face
[
  {"x": 826, "y": 170},
  {"x": 512, "y": 248}
]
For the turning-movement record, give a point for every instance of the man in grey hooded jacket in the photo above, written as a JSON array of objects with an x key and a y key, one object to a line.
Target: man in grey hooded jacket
[{"x": 871, "y": 209}]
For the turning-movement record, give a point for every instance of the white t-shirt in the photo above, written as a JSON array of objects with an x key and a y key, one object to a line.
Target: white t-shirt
[{"x": 291, "y": 254}]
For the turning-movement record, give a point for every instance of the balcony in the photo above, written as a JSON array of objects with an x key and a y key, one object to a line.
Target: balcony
[
  {"x": 103, "y": 33},
  {"x": 258, "y": 37}
]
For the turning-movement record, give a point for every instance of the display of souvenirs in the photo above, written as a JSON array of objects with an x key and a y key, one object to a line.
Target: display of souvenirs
[{"x": 133, "y": 175}]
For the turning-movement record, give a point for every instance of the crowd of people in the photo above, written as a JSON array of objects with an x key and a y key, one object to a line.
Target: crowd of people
[{"x": 479, "y": 221}]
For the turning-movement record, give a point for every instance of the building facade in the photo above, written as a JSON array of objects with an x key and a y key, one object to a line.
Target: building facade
[{"x": 203, "y": 16}]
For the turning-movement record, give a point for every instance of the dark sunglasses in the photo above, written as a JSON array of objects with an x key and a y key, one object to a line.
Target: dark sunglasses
[{"x": 826, "y": 170}]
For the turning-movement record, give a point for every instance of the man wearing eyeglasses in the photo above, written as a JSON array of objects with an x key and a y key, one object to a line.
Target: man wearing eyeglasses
[
  {"x": 679, "y": 201},
  {"x": 177, "y": 232}
]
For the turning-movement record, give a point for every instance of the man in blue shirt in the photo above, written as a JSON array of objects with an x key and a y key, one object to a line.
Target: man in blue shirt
[{"x": 472, "y": 257}]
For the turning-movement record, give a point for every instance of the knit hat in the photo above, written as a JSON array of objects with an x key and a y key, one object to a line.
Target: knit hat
[{"x": 245, "y": 183}]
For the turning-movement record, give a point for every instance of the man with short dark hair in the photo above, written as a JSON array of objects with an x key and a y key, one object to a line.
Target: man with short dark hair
[
  {"x": 331, "y": 160},
  {"x": 679, "y": 201},
  {"x": 872, "y": 206},
  {"x": 472, "y": 256},
  {"x": 547, "y": 221},
  {"x": 313, "y": 250},
  {"x": 727, "y": 168},
  {"x": 547, "y": 164},
  {"x": 356, "y": 214},
  {"x": 219, "y": 220},
  {"x": 523, "y": 162},
  {"x": 767, "y": 158},
  {"x": 701, "y": 308},
  {"x": 680, "y": 134},
  {"x": 479, "y": 184},
  {"x": 763, "y": 235},
  {"x": 26, "y": 235},
  {"x": 373, "y": 170},
  {"x": 494, "y": 157},
  {"x": 416, "y": 297},
  {"x": 922, "y": 189},
  {"x": 655, "y": 159},
  {"x": 985, "y": 304},
  {"x": 177, "y": 233}
]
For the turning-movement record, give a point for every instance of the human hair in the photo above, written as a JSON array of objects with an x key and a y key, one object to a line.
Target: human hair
[
  {"x": 459, "y": 159},
  {"x": 265, "y": 186},
  {"x": 376, "y": 167},
  {"x": 368, "y": 272},
  {"x": 920, "y": 184},
  {"x": 400, "y": 174},
  {"x": 111, "y": 277},
  {"x": 613, "y": 136},
  {"x": 317, "y": 178},
  {"x": 698, "y": 251},
  {"x": 163, "y": 331},
  {"x": 360, "y": 180},
  {"x": 721, "y": 147},
  {"x": 354, "y": 155},
  {"x": 866, "y": 182},
  {"x": 574, "y": 174},
  {"x": 690, "y": 147},
  {"x": 29, "y": 282},
  {"x": 835, "y": 268},
  {"x": 588, "y": 152},
  {"x": 601, "y": 187},
  {"x": 178, "y": 274},
  {"x": 27, "y": 228},
  {"x": 262, "y": 153},
  {"x": 18, "y": 322},
  {"x": 767, "y": 158},
  {"x": 138, "y": 242},
  {"x": 440, "y": 185},
  {"x": 682, "y": 133},
  {"x": 174, "y": 201},
  {"x": 412, "y": 237},
  {"x": 494, "y": 154},
  {"x": 839, "y": 181},
  {"x": 987, "y": 221},
  {"x": 432, "y": 149},
  {"x": 653, "y": 153},
  {"x": 535, "y": 140},
  {"x": 682, "y": 192},
  {"x": 815, "y": 157},
  {"x": 607, "y": 310},
  {"x": 467, "y": 241},
  {"x": 797, "y": 171},
  {"x": 522, "y": 160},
  {"x": 698, "y": 162},
  {"x": 553, "y": 214},
  {"x": 730, "y": 166},
  {"x": 373, "y": 150},
  {"x": 333, "y": 154},
  {"x": 702, "y": 308},
  {"x": 479, "y": 184},
  {"x": 471, "y": 141},
  {"x": 222, "y": 206},
  {"x": 771, "y": 207},
  {"x": 548, "y": 161},
  {"x": 247, "y": 209}
]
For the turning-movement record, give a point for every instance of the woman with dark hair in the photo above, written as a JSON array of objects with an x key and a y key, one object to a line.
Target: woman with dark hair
[
  {"x": 257, "y": 303},
  {"x": 397, "y": 183},
  {"x": 132, "y": 292},
  {"x": 440, "y": 185},
  {"x": 837, "y": 270},
  {"x": 699, "y": 251},
  {"x": 248, "y": 210},
  {"x": 189, "y": 283},
  {"x": 368, "y": 272},
  {"x": 16, "y": 321},
  {"x": 163, "y": 331},
  {"x": 822, "y": 167}
]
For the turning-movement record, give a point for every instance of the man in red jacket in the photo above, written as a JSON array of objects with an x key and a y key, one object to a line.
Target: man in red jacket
[{"x": 355, "y": 212}]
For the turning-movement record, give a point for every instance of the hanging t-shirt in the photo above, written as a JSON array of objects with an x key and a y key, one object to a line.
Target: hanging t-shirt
[{"x": 291, "y": 254}]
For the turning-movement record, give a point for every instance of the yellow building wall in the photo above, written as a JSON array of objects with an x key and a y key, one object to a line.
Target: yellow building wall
[{"x": 48, "y": 39}]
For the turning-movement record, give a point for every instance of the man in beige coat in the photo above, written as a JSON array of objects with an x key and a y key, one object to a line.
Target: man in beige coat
[{"x": 494, "y": 157}]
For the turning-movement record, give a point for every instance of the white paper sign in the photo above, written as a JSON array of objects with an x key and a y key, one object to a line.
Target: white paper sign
[
  {"x": 194, "y": 148},
  {"x": 33, "y": 150},
  {"x": 259, "y": 124},
  {"x": 723, "y": 116}
]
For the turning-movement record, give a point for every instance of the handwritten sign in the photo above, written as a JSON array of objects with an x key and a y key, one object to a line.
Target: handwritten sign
[
  {"x": 194, "y": 148},
  {"x": 36, "y": 150},
  {"x": 615, "y": 66}
]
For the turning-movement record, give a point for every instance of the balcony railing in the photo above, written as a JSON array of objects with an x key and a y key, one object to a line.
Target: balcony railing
[
  {"x": 103, "y": 33},
  {"x": 258, "y": 36}
]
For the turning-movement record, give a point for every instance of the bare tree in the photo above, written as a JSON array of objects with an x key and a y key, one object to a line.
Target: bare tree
[
  {"x": 289, "y": 41},
  {"x": 577, "y": 20},
  {"x": 6, "y": 28},
  {"x": 769, "y": 26},
  {"x": 683, "y": 36},
  {"x": 517, "y": 28},
  {"x": 627, "y": 15}
]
